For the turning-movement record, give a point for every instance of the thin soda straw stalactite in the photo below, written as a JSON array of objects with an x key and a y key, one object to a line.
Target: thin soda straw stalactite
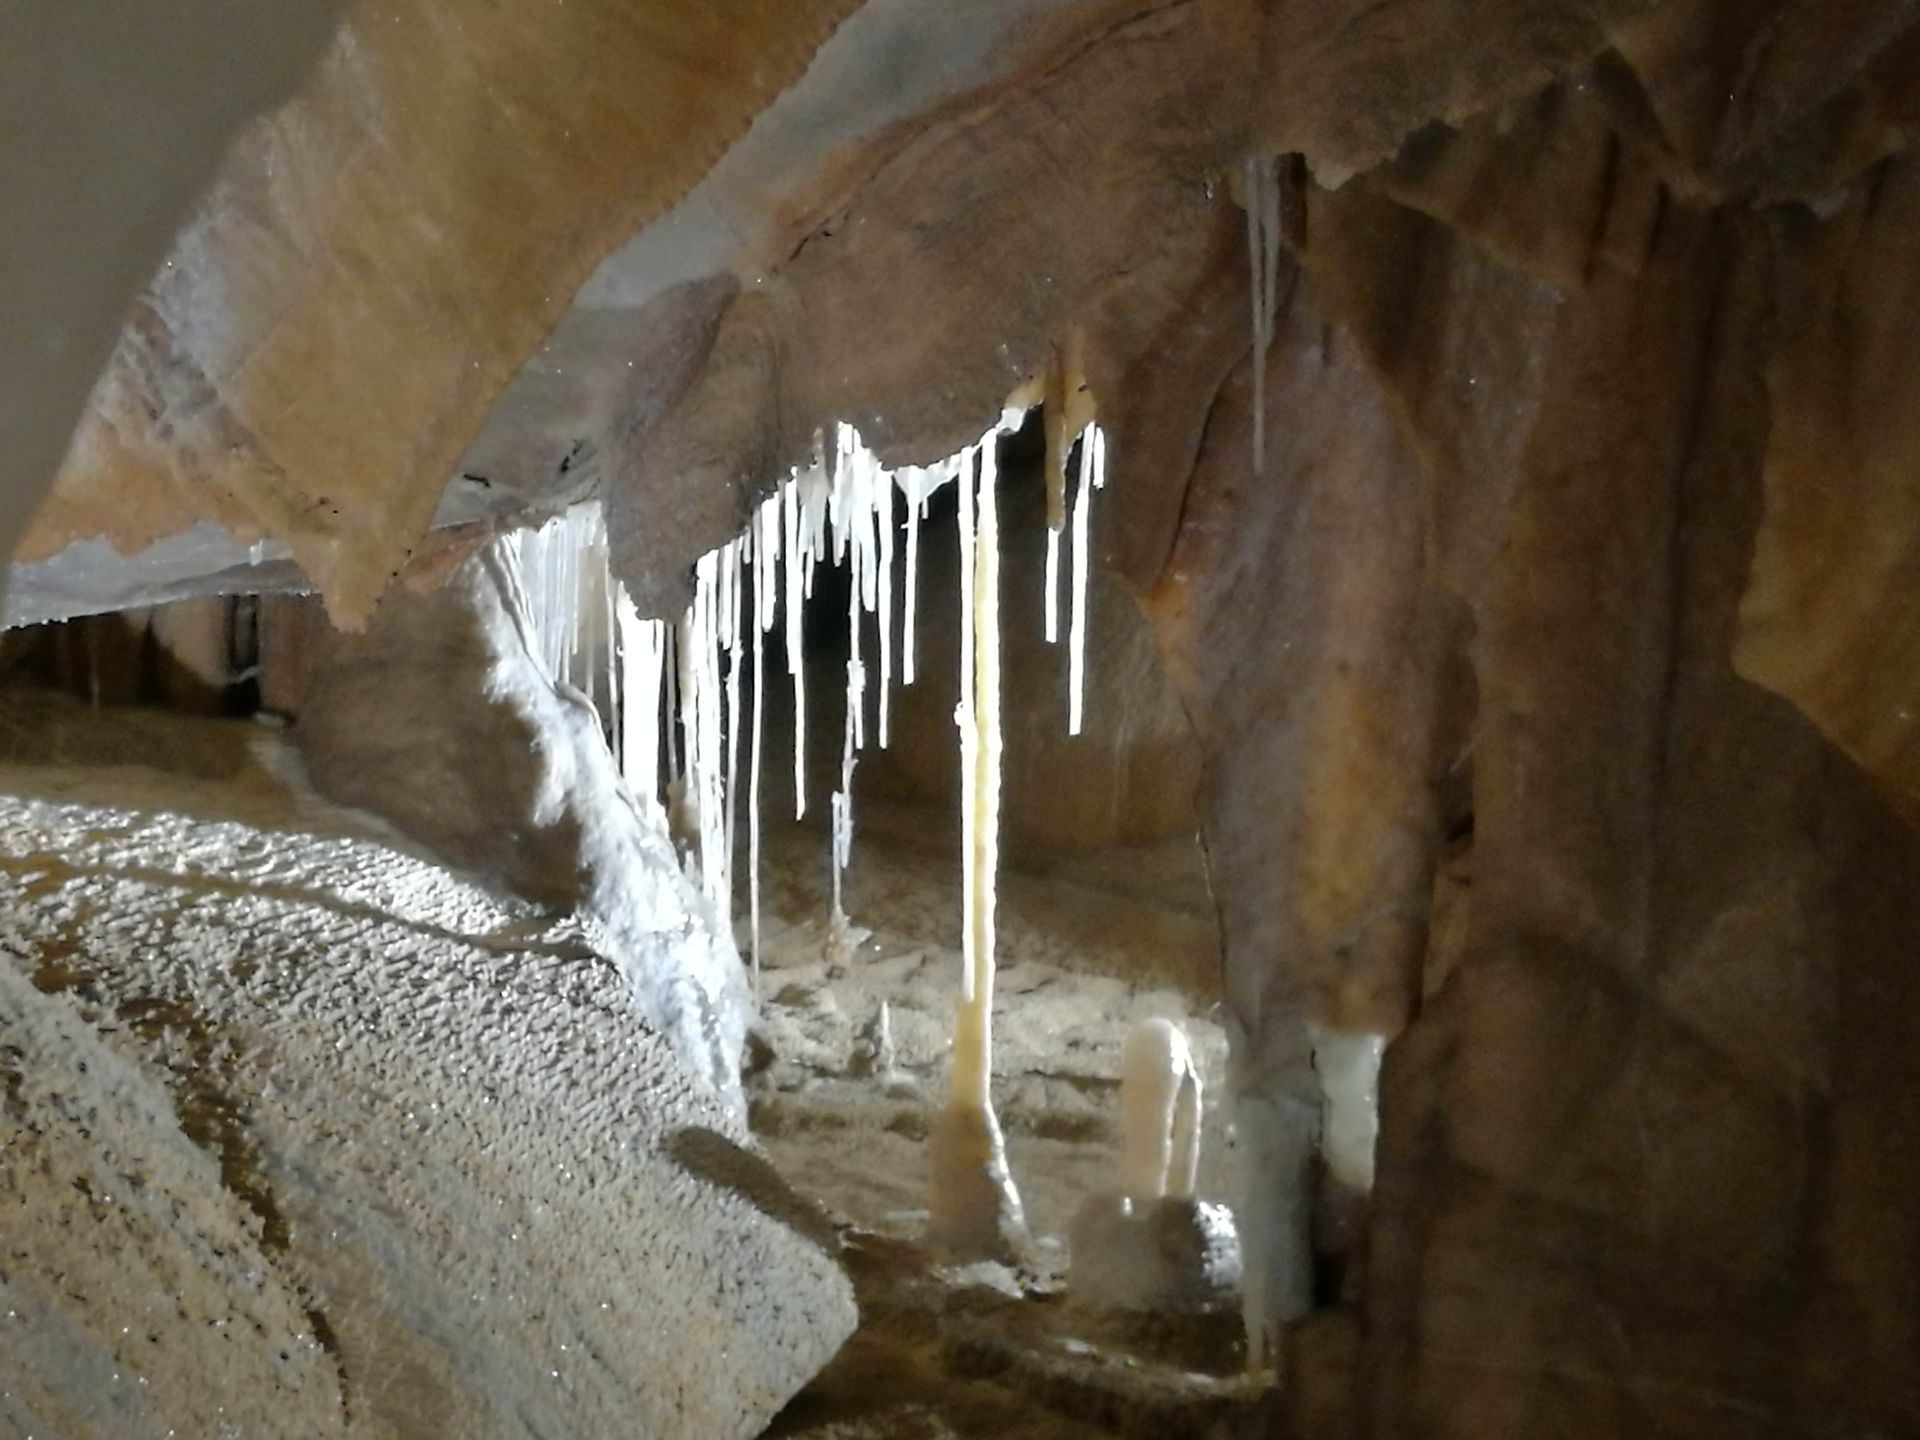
[
  {"x": 610, "y": 593},
  {"x": 851, "y": 737},
  {"x": 797, "y": 569},
  {"x": 1077, "y": 624},
  {"x": 969, "y": 735},
  {"x": 714, "y": 842},
  {"x": 642, "y": 660},
  {"x": 670, "y": 669},
  {"x": 884, "y": 586},
  {"x": 912, "y": 482},
  {"x": 1053, "y": 587},
  {"x": 766, "y": 557},
  {"x": 883, "y": 502},
  {"x": 735, "y": 556}
]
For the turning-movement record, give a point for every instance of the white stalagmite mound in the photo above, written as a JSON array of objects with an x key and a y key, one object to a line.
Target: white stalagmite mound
[
  {"x": 1152, "y": 1243},
  {"x": 295, "y": 1141}
]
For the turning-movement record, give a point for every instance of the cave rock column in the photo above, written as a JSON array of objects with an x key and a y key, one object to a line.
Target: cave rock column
[
  {"x": 1297, "y": 623},
  {"x": 1645, "y": 1156}
]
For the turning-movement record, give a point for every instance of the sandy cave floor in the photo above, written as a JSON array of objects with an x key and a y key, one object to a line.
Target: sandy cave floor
[
  {"x": 940, "y": 1352},
  {"x": 983, "y": 1350}
]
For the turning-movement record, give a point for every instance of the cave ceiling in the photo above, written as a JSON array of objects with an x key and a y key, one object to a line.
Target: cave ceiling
[{"x": 488, "y": 260}]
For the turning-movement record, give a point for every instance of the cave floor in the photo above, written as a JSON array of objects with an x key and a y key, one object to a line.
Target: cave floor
[
  {"x": 983, "y": 1350},
  {"x": 941, "y": 1351}
]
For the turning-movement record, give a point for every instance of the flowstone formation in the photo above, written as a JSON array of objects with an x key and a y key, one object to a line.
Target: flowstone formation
[{"x": 442, "y": 719}]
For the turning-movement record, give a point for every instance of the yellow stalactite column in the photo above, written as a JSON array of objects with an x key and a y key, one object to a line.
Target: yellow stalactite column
[{"x": 974, "y": 1209}]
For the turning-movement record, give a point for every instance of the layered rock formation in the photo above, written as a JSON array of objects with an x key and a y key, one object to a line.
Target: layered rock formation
[
  {"x": 299, "y": 1136},
  {"x": 1570, "y": 581}
]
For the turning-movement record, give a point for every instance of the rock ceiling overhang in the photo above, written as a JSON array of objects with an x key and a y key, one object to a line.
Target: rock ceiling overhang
[
  {"x": 388, "y": 316},
  {"x": 326, "y": 362}
]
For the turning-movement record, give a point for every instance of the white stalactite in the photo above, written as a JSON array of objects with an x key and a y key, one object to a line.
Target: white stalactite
[
  {"x": 969, "y": 751},
  {"x": 766, "y": 559},
  {"x": 798, "y": 567},
  {"x": 734, "y": 558},
  {"x": 1053, "y": 587},
  {"x": 643, "y": 653},
  {"x": 883, "y": 502},
  {"x": 610, "y": 592},
  {"x": 842, "y": 802},
  {"x": 670, "y": 666},
  {"x": 1077, "y": 625}
]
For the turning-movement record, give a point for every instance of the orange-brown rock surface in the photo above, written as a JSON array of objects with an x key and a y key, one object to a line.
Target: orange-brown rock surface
[
  {"x": 1575, "y": 581},
  {"x": 378, "y": 258}
]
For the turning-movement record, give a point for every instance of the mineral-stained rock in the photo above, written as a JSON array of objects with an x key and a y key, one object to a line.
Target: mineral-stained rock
[
  {"x": 1321, "y": 742},
  {"x": 113, "y": 118},
  {"x": 1639, "y": 1167},
  {"x": 294, "y": 1143},
  {"x": 1827, "y": 619},
  {"x": 440, "y": 719},
  {"x": 1582, "y": 555},
  {"x": 462, "y": 168},
  {"x": 912, "y": 315}
]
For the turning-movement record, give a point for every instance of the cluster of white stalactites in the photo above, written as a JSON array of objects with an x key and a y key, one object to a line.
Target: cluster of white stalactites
[{"x": 674, "y": 692}]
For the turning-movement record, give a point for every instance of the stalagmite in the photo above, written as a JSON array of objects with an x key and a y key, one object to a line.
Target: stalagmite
[
  {"x": 1151, "y": 1243},
  {"x": 974, "y": 1209},
  {"x": 1160, "y": 1101}
]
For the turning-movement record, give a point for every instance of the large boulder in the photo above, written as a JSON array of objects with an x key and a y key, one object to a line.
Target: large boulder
[{"x": 300, "y": 1136}]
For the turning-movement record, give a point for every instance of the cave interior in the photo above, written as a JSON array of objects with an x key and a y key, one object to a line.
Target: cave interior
[{"x": 1054, "y": 718}]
